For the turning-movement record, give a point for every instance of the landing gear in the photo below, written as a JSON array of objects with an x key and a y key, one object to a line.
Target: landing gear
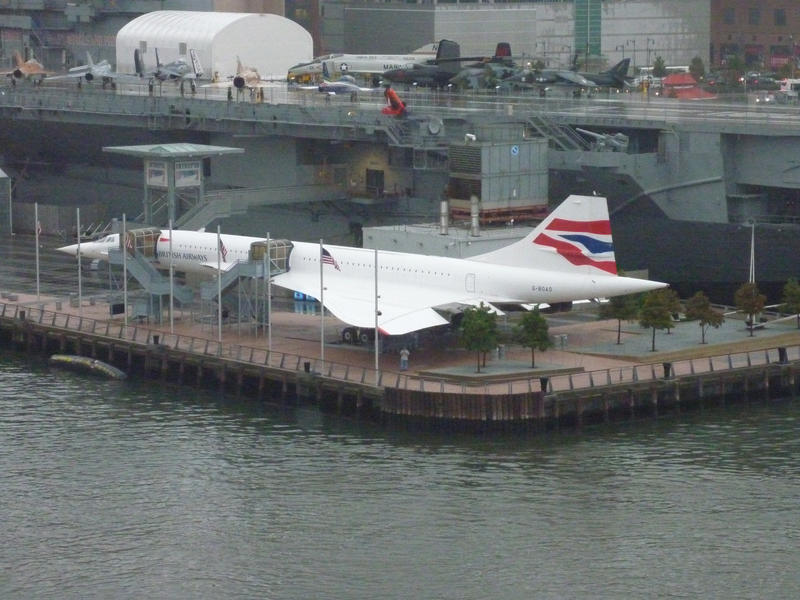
[{"x": 356, "y": 335}]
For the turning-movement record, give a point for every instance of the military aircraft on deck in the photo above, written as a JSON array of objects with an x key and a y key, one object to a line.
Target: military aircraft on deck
[
  {"x": 245, "y": 77},
  {"x": 615, "y": 77},
  {"x": 26, "y": 69},
  {"x": 178, "y": 70},
  {"x": 95, "y": 70},
  {"x": 363, "y": 64}
]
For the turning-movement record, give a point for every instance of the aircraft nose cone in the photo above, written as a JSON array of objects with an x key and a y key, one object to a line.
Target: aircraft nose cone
[{"x": 71, "y": 250}]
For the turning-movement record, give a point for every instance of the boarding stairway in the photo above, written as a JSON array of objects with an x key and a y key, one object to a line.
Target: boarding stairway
[
  {"x": 220, "y": 204},
  {"x": 561, "y": 137},
  {"x": 243, "y": 286},
  {"x": 141, "y": 268}
]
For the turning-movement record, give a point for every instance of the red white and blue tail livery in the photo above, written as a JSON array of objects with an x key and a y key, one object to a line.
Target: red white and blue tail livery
[
  {"x": 569, "y": 256},
  {"x": 576, "y": 234}
]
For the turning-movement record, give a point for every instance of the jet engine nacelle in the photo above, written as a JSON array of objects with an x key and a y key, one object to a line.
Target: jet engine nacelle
[
  {"x": 238, "y": 82},
  {"x": 18, "y": 73},
  {"x": 88, "y": 76}
]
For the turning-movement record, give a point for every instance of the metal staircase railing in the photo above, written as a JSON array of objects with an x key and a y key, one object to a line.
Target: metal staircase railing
[
  {"x": 153, "y": 282},
  {"x": 561, "y": 137}
]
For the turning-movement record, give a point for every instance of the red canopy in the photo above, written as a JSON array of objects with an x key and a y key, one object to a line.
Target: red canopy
[{"x": 683, "y": 86}]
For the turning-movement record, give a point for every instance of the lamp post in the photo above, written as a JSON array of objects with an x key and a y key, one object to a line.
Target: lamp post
[
  {"x": 568, "y": 48},
  {"x": 588, "y": 31},
  {"x": 543, "y": 44},
  {"x": 650, "y": 42},
  {"x": 633, "y": 55}
]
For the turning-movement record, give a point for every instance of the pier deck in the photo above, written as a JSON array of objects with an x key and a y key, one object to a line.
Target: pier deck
[{"x": 587, "y": 377}]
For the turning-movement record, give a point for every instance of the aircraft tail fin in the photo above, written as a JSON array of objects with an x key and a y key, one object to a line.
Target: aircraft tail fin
[
  {"x": 502, "y": 50},
  {"x": 576, "y": 236},
  {"x": 158, "y": 61},
  {"x": 448, "y": 49},
  {"x": 18, "y": 59},
  {"x": 620, "y": 70},
  {"x": 137, "y": 63},
  {"x": 196, "y": 66},
  {"x": 325, "y": 73},
  {"x": 89, "y": 61}
]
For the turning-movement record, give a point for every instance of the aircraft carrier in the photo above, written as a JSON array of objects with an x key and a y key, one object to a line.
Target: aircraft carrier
[{"x": 688, "y": 182}]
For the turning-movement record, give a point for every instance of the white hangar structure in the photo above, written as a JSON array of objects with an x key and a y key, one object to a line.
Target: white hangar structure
[{"x": 269, "y": 43}]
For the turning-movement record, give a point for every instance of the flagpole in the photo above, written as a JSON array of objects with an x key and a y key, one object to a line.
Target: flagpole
[
  {"x": 219, "y": 289},
  {"x": 752, "y": 276},
  {"x": 264, "y": 263},
  {"x": 80, "y": 283},
  {"x": 377, "y": 313},
  {"x": 124, "y": 247},
  {"x": 171, "y": 283},
  {"x": 269, "y": 296},
  {"x": 321, "y": 310},
  {"x": 36, "y": 218}
]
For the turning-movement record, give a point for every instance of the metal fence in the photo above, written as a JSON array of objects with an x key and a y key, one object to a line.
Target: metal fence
[{"x": 384, "y": 378}]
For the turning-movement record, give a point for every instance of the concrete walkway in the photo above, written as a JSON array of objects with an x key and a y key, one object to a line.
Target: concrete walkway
[{"x": 581, "y": 342}]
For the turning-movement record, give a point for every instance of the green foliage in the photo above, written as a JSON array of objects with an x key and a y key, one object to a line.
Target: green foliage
[
  {"x": 479, "y": 330},
  {"x": 659, "y": 67},
  {"x": 697, "y": 68},
  {"x": 657, "y": 310},
  {"x": 749, "y": 301},
  {"x": 791, "y": 298},
  {"x": 736, "y": 67},
  {"x": 699, "y": 308},
  {"x": 621, "y": 308},
  {"x": 532, "y": 332}
]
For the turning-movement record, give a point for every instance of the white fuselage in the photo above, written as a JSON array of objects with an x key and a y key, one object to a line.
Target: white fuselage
[
  {"x": 417, "y": 273},
  {"x": 357, "y": 63},
  {"x": 432, "y": 276}
]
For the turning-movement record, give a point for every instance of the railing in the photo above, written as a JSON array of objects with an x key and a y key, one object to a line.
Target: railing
[
  {"x": 402, "y": 380},
  {"x": 284, "y": 106}
]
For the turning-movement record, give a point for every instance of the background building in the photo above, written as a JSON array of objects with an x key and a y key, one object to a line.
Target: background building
[
  {"x": 592, "y": 32},
  {"x": 765, "y": 35}
]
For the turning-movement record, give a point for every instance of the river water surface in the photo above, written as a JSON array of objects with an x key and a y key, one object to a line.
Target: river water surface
[{"x": 139, "y": 489}]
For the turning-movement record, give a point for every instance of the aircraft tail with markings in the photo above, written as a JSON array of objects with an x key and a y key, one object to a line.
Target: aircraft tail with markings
[{"x": 575, "y": 237}]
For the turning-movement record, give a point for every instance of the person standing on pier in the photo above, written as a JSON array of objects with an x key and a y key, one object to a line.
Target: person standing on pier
[{"x": 404, "y": 354}]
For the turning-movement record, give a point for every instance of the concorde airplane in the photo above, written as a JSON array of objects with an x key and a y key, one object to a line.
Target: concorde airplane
[{"x": 568, "y": 256}]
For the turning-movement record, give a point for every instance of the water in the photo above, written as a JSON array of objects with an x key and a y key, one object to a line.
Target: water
[{"x": 136, "y": 489}]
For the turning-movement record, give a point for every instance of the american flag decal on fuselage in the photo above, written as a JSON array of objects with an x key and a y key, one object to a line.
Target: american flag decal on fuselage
[{"x": 581, "y": 242}]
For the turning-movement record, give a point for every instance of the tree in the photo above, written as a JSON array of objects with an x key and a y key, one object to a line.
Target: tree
[
  {"x": 479, "y": 330},
  {"x": 699, "y": 308},
  {"x": 621, "y": 308},
  {"x": 736, "y": 68},
  {"x": 748, "y": 300},
  {"x": 532, "y": 333},
  {"x": 659, "y": 67},
  {"x": 656, "y": 312},
  {"x": 791, "y": 298},
  {"x": 673, "y": 303},
  {"x": 697, "y": 68}
]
